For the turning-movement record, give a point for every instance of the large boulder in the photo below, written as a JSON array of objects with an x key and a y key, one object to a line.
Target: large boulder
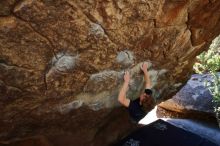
[
  {"x": 193, "y": 97},
  {"x": 62, "y": 61}
]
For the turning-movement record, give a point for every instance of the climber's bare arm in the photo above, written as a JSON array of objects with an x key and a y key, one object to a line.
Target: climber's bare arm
[
  {"x": 146, "y": 76},
  {"x": 122, "y": 94}
]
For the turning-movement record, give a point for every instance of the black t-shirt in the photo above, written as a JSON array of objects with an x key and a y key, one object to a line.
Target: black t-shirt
[{"x": 135, "y": 110}]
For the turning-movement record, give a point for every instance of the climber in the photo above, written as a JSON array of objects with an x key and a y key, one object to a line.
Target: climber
[{"x": 135, "y": 106}]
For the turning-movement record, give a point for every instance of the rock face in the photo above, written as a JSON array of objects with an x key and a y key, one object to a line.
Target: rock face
[
  {"x": 216, "y": 43},
  {"x": 62, "y": 57},
  {"x": 193, "y": 97}
]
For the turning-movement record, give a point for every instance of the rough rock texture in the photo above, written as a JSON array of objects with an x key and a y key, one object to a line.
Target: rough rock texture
[
  {"x": 193, "y": 101},
  {"x": 62, "y": 57},
  {"x": 193, "y": 97},
  {"x": 216, "y": 43}
]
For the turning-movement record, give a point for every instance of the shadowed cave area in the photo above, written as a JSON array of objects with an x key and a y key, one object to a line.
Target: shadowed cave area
[{"x": 62, "y": 64}]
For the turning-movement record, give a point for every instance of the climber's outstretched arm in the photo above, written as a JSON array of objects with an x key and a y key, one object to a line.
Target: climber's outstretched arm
[
  {"x": 122, "y": 94},
  {"x": 146, "y": 76}
]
